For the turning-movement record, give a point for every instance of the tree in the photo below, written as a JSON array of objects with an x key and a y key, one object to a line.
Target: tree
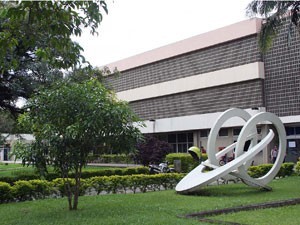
[
  {"x": 7, "y": 123},
  {"x": 35, "y": 40},
  {"x": 151, "y": 149},
  {"x": 274, "y": 13},
  {"x": 69, "y": 120}
]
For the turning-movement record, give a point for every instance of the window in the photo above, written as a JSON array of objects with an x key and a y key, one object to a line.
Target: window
[
  {"x": 236, "y": 131},
  {"x": 223, "y": 132},
  {"x": 204, "y": 133},
  {"x": 292, "y": 131},
  {"x": 258, "y": 130},
  {"x": 181, "y": 142},
  {"x": 172, "y": 138},
  {"x": 182, "y": 137}
]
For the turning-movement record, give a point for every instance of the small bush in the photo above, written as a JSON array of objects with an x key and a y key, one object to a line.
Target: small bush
[
  {"x": 297, "y": 168},
  {"x": 152, "y": 150},
  {"x": 85, "y": 174},
  {"x": 98, "y": 184},
  {"x": 187, "y": 161},
  {"x": 23, "y": 190},
  {"x": 6, "y": 192},
  {"x": 142, "y": 170},
  {"x": 60, "y": 185},
  {"x": 129, "y": 171},
  {"x": 286, "y": 169},
  {"x": 115, "y": 158},
  {"x": 42, "y": 188}
]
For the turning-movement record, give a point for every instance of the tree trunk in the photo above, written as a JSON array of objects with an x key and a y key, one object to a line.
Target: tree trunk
[
  {"x": 67, "y": 187},
  {"x": 77, "y": 187}
]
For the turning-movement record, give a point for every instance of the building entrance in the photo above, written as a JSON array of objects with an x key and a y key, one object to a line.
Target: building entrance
[{"x": 293, "y": 150}]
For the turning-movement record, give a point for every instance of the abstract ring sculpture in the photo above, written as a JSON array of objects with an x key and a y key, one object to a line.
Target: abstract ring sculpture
[{"x": 237, "y": 168}]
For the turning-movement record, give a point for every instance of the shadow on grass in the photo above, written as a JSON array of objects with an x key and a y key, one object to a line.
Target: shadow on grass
[
  {"x": 229, "y": 191},
  {"x": 202, "y": 216}
]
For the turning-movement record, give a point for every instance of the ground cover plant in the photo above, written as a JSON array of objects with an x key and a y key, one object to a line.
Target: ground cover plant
[{"x": 159, "y": 207}]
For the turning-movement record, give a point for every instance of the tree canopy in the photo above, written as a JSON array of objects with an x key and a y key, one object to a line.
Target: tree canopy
[
  {"x": 35, "y": 40},
  {"x": 152, "y": 150},
  {"x": 274, "y": 13},
  {"x": 69, "y": 121}
]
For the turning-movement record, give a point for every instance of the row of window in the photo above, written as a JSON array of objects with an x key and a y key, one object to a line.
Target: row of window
[
  {"x": 181, "y": 142},
  {"x": 292, "y": 131}
]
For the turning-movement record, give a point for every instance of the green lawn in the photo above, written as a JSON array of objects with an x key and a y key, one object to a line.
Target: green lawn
[
  {"x": 163, "y": 207},
  {"x": 13, "y": 169}
]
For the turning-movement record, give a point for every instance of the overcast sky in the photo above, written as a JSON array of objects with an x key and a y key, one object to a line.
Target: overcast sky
[{"x": 135, "y": 26}]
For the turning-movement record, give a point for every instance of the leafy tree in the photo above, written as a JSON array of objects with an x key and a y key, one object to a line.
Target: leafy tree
[
  {"x": 152, "y": 150},
  {"x": 69, "y": 120},
  {"x": 274, "y": 13},
  {"x": 7, "y": 122},
  {"x": 35, "y": 40}
]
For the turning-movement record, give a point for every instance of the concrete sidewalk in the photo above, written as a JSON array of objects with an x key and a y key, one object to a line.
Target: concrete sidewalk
[
  {"x": 123, "y": 165},
  {"x": 120, "y": 165}
]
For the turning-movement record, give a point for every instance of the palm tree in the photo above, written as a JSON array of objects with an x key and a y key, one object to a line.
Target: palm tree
[{"x": 274, "y": 13}]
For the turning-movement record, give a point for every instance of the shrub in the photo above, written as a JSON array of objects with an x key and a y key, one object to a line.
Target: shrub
[
  {"x": 117, "y": 183},
  {"x": 23, "y": 190},
  {"x": 187, "y": 161},
  {"x": 6, "y": 192},
  {"x": 60, "y": 185},
  {"x": 98, "y": 183},
  {"x": 286, "y": 169},
  {"x": 142, "y": 170},
  {"x": 115, "y": 158},
  {"x": 41, "y": 188},
  {"x": 130, "y": 171},
  {"x": 85, "y": 174},
  {"x": 297, "y": 168},
  {"x": 152, "y": 150}
]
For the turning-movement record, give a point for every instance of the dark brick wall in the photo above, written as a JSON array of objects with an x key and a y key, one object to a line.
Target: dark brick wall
[
  {"x": 243, "y": 95},
  {"x": 282, "y": 75},
  {"x": 225, "y": 55}
]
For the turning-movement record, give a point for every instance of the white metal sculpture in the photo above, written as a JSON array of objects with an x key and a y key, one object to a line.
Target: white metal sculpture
[{"x": 237, "y": 168}]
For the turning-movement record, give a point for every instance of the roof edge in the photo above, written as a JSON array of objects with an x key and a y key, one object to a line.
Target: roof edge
[{"x": 211, "y": 38}]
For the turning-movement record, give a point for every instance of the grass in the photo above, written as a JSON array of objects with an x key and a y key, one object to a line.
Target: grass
[
  {"x": 285, "y": 215},
  {"x": 13, "y": 169},
  {"x": 10, "y": 169},
  {"x": 163, "y": 207}
]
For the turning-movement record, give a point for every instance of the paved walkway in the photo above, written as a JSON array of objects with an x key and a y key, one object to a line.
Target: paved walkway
[
  {"x": 114, "y": 164},
  {"x": 123, "y": 165}
]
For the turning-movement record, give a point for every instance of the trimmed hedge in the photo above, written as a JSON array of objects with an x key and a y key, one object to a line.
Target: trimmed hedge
[
  {"x": 286, "y": 169},
  {"x": 6, "y": 192},
  {"x": 187, "y": 161},
  {"x": 85, "y": 174},
  {"x": 297, "y": 168},
  {"x": 40, "y": 189}
]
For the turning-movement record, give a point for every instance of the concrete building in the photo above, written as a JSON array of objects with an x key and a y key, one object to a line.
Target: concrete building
[
  {"x": 9, "y": 139},
  {"x": 180, "y": 89}
]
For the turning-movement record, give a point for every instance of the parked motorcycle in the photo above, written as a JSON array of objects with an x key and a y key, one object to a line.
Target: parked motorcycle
[
  {"x": 161, "y": 168},
  {"x": 224, "y": 159}
]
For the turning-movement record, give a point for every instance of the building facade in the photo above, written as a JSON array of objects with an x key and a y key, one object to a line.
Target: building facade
[
  {"x": 180, "y": 89},
  {"x": 8, "y": 142}
]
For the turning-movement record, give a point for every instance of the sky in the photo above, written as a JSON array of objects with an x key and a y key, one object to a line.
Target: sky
[{"x": 136, "y": 26}]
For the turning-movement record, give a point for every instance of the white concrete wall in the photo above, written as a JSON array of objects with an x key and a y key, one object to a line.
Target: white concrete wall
[{"x": 212, "y": 79}]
